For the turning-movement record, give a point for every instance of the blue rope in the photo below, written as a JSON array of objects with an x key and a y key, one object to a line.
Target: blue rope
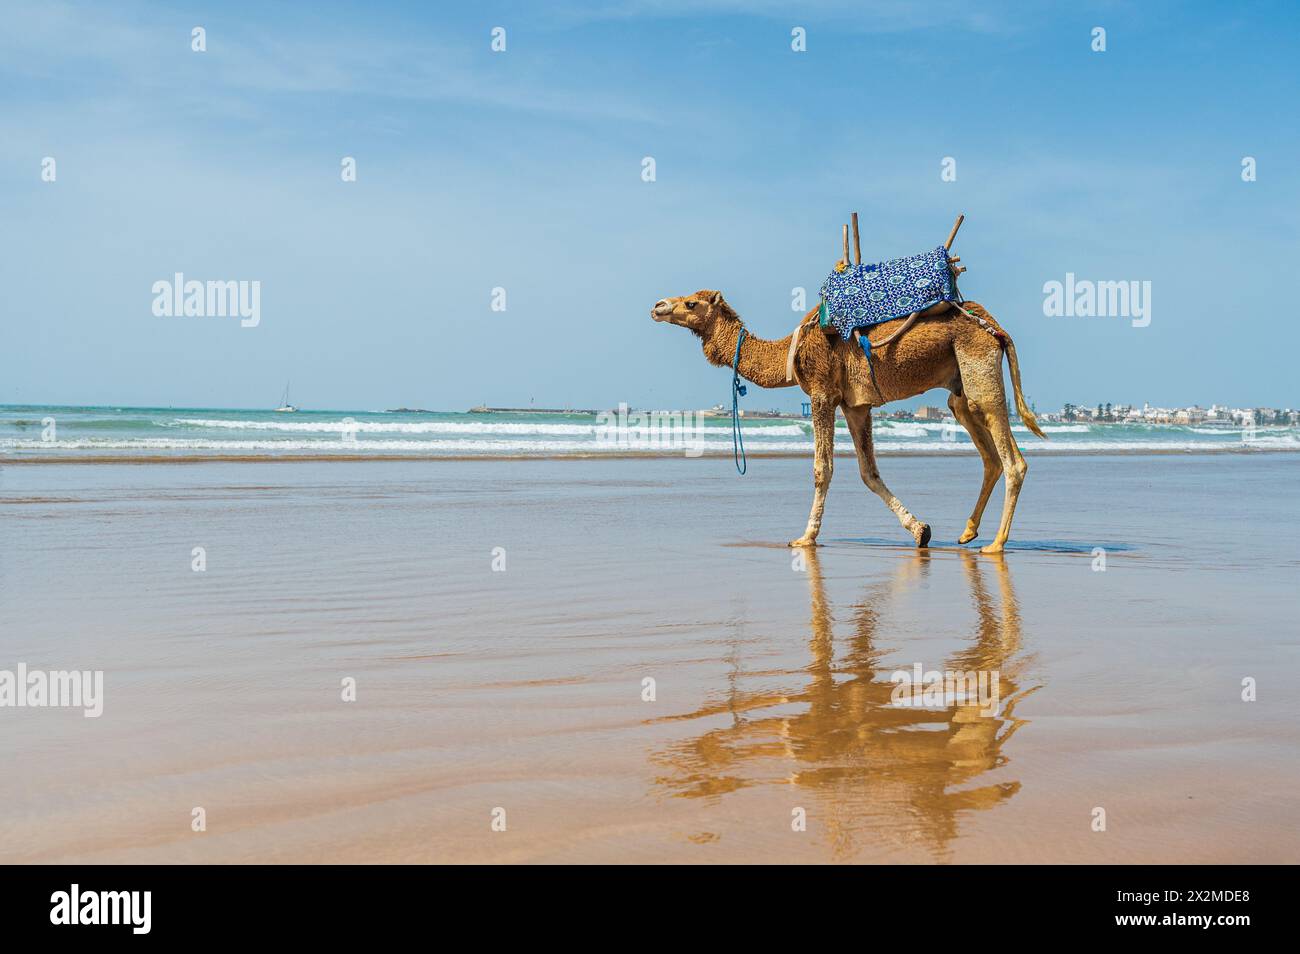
[
  {"x": 866, "y": 349},
  {"x": 738, "y": 391}
]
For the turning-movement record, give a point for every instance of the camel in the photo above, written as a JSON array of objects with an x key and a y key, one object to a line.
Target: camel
[{"x": 950, "y": 350}]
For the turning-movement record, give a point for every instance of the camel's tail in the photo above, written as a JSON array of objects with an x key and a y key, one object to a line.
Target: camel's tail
[
  {"x": 1026, "y": 415},
  {"x": 990, "y": 323}
]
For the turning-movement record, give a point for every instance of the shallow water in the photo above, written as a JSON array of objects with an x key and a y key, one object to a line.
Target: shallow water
[{"x": 522, "y": 689}]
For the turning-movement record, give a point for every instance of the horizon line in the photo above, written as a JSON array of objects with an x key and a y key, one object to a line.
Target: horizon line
[{"x": 558, "y": 410}]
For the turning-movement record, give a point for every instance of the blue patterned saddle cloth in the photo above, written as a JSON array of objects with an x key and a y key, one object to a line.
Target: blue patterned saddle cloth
[{"x": 864, "y": 295}]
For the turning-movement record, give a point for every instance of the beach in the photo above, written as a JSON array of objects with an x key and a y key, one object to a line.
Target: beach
[{"x": 499, "y": 619}]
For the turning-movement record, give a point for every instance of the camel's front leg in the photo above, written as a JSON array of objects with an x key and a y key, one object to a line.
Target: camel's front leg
[
  {"x": 859, "y": 419},
  {"x": 823, "y": 421}
]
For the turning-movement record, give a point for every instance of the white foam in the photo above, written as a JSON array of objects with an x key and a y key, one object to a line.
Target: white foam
[
  {"x": 389, "y": 427},
  {"x": 489, "y": 447},
  {"x": 900, "y": 430},
  {"x": 520, "y": 428}
]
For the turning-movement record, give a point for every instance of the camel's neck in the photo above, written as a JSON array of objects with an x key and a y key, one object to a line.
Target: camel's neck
[{"x": 761, "y": 361}]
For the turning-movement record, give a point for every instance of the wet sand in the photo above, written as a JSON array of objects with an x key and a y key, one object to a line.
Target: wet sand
[{"x": 523, "y": 689}]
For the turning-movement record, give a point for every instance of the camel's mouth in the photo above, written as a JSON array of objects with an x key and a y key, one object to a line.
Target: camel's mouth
[{"x": 662, "y": 311}]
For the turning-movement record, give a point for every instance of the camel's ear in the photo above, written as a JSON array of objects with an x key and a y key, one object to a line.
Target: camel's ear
[{"x": 717, "y": 298}]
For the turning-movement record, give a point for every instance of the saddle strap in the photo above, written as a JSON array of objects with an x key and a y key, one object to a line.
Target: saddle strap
[
  {"x": 996, "y": 333},
  {"x": 911, "y": 320},
  {"x": 794, "y": 343}
]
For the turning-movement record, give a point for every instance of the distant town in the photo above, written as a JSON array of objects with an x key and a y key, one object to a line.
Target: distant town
[{"x": 1216, "y": 415}]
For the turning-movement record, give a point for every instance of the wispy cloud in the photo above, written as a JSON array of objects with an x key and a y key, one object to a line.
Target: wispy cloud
[
  {"x": 856, "y": 16},
  {"x": 60, "y": 44}
]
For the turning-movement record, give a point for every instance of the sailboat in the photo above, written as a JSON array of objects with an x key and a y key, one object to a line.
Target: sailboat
[{"x": 285, "y": 407}]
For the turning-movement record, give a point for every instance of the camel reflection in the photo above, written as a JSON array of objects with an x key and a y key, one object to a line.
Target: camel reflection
[{"x": 900, "y": 774}]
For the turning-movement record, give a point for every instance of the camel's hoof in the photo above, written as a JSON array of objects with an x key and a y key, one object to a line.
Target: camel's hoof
[
  {"x": 923, "y": 536},
  {"x": 803, "y": 542},
  {"x": 992, "y": 548},
  {"x": 968, "y": 536}
]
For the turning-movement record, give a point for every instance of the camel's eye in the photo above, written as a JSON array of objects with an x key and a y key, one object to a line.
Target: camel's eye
[{"x": 690, "y": 305}]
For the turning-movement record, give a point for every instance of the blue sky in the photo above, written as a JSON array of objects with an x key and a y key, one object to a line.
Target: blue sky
[{"x": 523, "y": 170}]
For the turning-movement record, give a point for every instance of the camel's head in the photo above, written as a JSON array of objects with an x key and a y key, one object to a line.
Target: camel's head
[{"x": 698, "y": 312}]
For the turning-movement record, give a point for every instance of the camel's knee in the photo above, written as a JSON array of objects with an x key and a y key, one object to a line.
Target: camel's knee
[{"x": 1016, "y": 474}]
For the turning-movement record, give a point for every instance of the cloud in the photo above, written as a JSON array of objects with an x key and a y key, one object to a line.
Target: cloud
[
  {"x": 60, "y": 45},
  {"x": 854, "y": 16}
]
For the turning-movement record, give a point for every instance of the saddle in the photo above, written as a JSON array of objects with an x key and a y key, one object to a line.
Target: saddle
[{"x": 857, "y": 296}]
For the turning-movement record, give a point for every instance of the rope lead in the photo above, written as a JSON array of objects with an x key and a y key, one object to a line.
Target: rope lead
[{"x": 738, "y": 391}]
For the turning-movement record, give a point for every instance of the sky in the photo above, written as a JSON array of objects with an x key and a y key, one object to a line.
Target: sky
[{"x": 523, "y": 170}]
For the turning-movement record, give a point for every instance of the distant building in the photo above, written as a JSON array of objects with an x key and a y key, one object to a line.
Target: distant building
[
  {"x": 928, "y": 414},
  {"x": 1216, "y": 415}
]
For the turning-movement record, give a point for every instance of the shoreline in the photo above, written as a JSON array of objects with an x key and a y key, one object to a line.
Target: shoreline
[{"x": 1032, "y": 451}]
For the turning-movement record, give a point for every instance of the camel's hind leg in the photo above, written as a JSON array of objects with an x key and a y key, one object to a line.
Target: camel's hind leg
[
  {"x": 823, "y": 420},
  {"x": 983, "y": 442},
  {"x": 859, "y": 420},
  {"x": 980, "y": 360}
]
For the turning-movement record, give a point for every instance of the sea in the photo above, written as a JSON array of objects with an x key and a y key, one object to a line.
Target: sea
[{"x": 30, "y": 431}]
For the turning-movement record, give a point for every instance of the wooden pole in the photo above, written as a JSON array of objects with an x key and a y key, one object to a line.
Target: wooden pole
[
  {"x": 857, "y": 245},
  {"x": 846, "y": 245},
  {"x": 953, "y": 234}
]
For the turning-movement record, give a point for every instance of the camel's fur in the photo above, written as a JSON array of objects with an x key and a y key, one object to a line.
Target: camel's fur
[{"x": 949, "y": 350}]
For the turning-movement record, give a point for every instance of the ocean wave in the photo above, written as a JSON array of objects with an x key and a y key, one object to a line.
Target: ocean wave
[
  {"x": 363, "y": 447},
  {"x": 933, "y": 426},
  {"x": 490, "y": 447},
  {"x": 771, "y": 430},
  {"x": 512, "y": 428},
  {"x": 387, "y": 427},
  {"x": 1290, "y": 440},
  {"x": 901, "y": 429}
]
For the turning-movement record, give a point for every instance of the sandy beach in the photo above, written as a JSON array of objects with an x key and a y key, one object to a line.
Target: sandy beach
[{"x": 513, "y": 678}]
